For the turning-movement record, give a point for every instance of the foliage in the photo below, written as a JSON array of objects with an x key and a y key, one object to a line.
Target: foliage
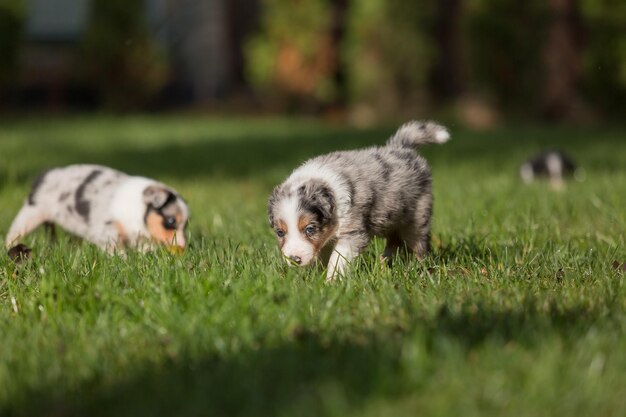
[
  {"x": 120, "y": 57},
  {"x": 505, "y": 49},
  {"x": 290, "y": 57},
  {"x": 11, "y": 26},
  {"x": 519, "y": 310},
  {"x": 605, "y": 59},
  {"x": 391, "y": 48},
  {"x": 389, "y": 53},
  {"x": 385, "y": 52}
]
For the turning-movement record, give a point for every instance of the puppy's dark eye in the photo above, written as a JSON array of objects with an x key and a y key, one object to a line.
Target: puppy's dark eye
[
  {"x": 309, "y": 230},
  {"x": 280, "y": 233},
  {"x": 169, "y": 223}
]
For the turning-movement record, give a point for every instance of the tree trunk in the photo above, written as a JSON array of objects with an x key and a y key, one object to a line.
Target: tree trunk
[
  {"x": 243, "y": 19},
  {"x": 562, "y": 61},
  {"x": 199, "y": 48},
  {"x": 448, "y": 74},
  {"x": 339, "y": 22}
]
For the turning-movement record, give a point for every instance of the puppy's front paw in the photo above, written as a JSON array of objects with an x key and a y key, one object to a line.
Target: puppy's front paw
[{"x": 19, "y": 253}]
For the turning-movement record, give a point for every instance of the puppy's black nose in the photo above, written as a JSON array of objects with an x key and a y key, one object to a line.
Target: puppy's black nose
[{"x": 296, "y": 259}]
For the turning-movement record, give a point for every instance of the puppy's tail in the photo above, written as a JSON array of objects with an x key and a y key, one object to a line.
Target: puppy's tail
[{"x": 414, "y": 134}]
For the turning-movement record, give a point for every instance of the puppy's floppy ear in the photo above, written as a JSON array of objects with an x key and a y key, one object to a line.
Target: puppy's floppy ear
[
  {"x": 156, "y": 196},
  {"x": 326, "y": 200},
  {"x": 319, "y": 198},
  {"x": 271, "y": 203}
]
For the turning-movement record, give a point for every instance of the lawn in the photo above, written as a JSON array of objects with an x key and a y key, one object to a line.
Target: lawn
[{"x": 518, "y": 311}]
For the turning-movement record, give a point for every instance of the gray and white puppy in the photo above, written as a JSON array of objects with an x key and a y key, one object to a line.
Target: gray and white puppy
[
  {"x": 104, "y": 206},
  {"x": 345, "y": 198}
]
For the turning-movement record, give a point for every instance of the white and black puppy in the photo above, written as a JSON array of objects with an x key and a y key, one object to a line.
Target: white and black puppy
[
  {"x": 346, "y": 198},
  {"x": 104, "y": 206},
  {"x": 553, "y": 165}
]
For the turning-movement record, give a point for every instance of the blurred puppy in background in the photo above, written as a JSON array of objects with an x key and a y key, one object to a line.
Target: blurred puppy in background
[
  {"x": 553, "y": 165},
  {"x": 345, "y": 198},
  {"x": 104, "y": 206}
]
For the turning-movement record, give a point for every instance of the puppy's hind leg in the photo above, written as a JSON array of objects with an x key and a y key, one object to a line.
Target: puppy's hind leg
[
  {"x": 417, "y": 233},
  {"x": 28, "y": 219},
  {"x": 393, "y": 248},
  {"x": 417, "y": 240}
]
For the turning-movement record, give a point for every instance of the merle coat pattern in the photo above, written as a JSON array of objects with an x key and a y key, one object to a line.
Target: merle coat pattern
[
  {"x": 104, "y": 206},
  {"x": 345, "y": 198}
]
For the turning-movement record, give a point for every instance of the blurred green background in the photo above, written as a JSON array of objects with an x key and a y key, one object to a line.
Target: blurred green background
[{"x": 481, "y": 61}]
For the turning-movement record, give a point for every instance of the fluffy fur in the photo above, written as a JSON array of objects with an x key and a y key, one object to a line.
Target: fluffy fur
[
  {"x": 343, "y": 199},
  {"x": 103, "y": 206}
]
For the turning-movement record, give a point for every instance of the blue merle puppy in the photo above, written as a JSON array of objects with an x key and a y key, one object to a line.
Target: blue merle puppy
[
  {"x": 345, "y": 198},
  {"x": 104, "y": 206}
]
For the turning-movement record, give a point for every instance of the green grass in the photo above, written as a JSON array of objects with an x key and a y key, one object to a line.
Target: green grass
[{"x": 518, "y": 311}]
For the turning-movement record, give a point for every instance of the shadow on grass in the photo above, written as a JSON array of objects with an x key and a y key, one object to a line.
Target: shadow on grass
[
  {"x": 301, "y": 378},
  {"x": 214, "y": 156},
  {"x": 308, "y": 376},
  {"x": 259, "y": 153},
  {"x": 472, "y": 323}
]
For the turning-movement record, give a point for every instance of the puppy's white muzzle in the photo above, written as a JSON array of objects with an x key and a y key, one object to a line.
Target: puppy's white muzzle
[{"x": 298, "y": 252}]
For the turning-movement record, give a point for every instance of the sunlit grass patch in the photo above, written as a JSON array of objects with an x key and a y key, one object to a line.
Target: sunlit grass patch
[{"x": 518, "y": 310}]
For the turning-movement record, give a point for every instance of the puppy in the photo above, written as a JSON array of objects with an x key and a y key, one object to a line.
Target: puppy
[
  {"x": 346, "y": 198},
  {"x": 105, "y": 207},
  {"x": 554, "y": 165}
]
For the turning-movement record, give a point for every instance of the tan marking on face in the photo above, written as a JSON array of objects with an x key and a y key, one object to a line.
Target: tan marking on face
[
  {"x": 303, "y": 222},
  {"x": 281, "y": 225},
  {"x": 322, "y": 233},
  {"x": 154, "y": 223}
]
